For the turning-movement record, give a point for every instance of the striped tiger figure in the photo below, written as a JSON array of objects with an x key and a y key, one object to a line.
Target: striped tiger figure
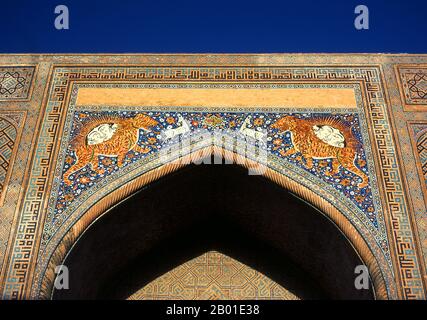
[
  {"x": 323, "y": 138},
  {"x": 108, "y": 136}
]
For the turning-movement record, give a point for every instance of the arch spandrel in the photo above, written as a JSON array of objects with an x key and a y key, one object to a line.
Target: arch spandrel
[{"x": 78, "y": 210}]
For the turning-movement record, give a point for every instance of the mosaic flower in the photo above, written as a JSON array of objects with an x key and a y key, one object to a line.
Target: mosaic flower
[
  {"x": 277, "y": 141},
  {"x": 258, "y": 121},
  {"x": 282, "y": 152},
  {"x": 107, "y": 162},
  {"x": 170, "y": 120},
  {"x": 144, "y": 150},
  {"x": 84, "y": 180},
  {"x": 350, "y": 118},
  {"x": 213, "y": 121},
  {"x": 151, "y": 140},
  {"x": 323, "y": 163},
  {"x": 345, "y": 182},
  {"x": 359, "y": 198},
  {"x": 69, "y": 197},
  {"x": 361, "y": 163},
  {"x": 69, "y": 159}
]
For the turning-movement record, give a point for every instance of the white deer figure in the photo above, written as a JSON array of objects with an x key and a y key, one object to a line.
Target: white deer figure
[
  {"x": 254, "y": 134},
  {"x": 183, "y": 127}
]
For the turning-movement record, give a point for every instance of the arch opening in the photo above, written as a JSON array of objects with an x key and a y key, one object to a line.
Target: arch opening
[{"x": 212, "y": 207}]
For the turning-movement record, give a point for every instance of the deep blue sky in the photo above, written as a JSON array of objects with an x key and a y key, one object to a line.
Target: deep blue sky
[{"x": 27, "y": 26}]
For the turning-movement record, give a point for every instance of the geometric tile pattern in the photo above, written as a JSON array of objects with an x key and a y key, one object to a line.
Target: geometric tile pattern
[
  {"x": 213, "y": 276},
  {"x": 15, "y": 82},
  {"x": 414, "y": 85},
  {"x": 8, "y": 135},
  {"x": 11, "y": 171},
  {"x": 422, "y": 152}
]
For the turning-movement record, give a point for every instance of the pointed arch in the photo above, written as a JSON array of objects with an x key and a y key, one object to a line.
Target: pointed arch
[{"x": 71, "y": 235}]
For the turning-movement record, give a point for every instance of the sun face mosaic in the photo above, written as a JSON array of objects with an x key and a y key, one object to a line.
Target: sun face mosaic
[{"x": 328, "y": 146}]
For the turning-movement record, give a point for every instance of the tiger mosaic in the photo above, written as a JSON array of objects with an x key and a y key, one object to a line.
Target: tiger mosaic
[{"x": 346, "y": 169}]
